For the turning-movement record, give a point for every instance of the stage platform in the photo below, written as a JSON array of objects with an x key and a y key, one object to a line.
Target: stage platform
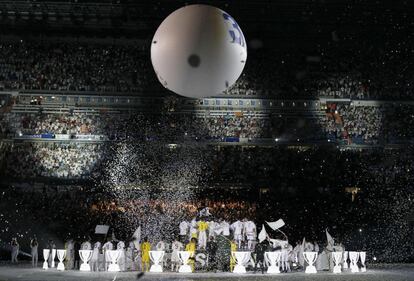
[{"x": 397, "y": 272}]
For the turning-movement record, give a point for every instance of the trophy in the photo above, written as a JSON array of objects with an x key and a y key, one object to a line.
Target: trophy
[
  {"x": 61, "y": 254},
  {"x": 310, "y": 258},
  {"x": 241, "y": 258},
  {"x": 184, "y": 257},
  {"x": 274, "y": 259},
  {"x": 113, "y": 256},
  {"x": 156, "y": 257},
  {"x": 362, "y": 256},
  {"x": 337, "y": 258},
  {"x": 353, "y": 256},
  {"x": 85, "y": 256},
  {"x": 46, "y": 253}
]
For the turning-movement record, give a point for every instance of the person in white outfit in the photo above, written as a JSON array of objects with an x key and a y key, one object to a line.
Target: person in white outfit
[
  {"x": 87, "y": 245},
  {"x": 130, "y": 265},
  {"x": 193, "y": 229},
  {"x": 251, "y": 234},
  {"x": 284, "y": 258},
  {"x": 308, "y": 247},
  {"x": 184, "y": 225},
  {"x": 52, "y": 253},
  {"x": 212, "y": 226},
  {"x": 122, "y": 256},
  {"x": 14, "y": 250},
  {"x": 315, "y": 247},
  {"x": 162, "y": 246},
  {"x": 295, "y": 255},
  {"x": 238, "y": 228},
  {"x": 105, "y": 248},
  {"x": 137, "y": 254},
  {"x": 70, "y": 254},
  {"x": 34, "y": 246},
  {"x": 95, "y": 256},
  {"x": 175, "y": 258},
  {"x": 225, "y": 228}
]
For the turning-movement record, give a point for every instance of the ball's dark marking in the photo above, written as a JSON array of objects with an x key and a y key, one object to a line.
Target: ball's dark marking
[
  {"x": 242, "y": 61},
  {"x": 155, "y": 42},
  {"x": 194, "y": 60}
]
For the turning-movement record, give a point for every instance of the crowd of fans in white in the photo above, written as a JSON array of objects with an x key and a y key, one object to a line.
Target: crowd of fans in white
[
  {"x": 375, "y": 124},
  {"x": 66, "y": 161},
  {"x": 71, "y": 66}
]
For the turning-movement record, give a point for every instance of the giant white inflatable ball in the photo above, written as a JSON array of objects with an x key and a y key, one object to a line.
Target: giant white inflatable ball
[{"x": 198, "y": 51}]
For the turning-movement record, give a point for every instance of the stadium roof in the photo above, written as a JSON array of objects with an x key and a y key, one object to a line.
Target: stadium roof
[{"x": 272, "y": 19}]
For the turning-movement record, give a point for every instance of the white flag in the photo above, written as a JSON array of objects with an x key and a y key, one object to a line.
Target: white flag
[
  {"x": 276, "y": 224},
  {"x": 263, "y": 234},
  {"x": 101, "y": 229},
  {"x": 137, "y": 234},
  {"x": 330, "y": 241},
  {"x": 302, "y": 247}
]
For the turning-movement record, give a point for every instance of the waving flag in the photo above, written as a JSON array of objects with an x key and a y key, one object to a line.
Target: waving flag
[
  {"x": 276, "y": 224},
  {"x": 330, "y": 241},
  {"x": 263, "y": 234}
]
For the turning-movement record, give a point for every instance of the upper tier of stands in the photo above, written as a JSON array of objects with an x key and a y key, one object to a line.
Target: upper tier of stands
[{"x": 332, "y": 69}]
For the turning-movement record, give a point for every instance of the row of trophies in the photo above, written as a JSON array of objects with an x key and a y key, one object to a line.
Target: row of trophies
[
  {"x": 338, "y": 259},
  {"x": 113, "y": 256},
  {"x": 242, "y": 258}
]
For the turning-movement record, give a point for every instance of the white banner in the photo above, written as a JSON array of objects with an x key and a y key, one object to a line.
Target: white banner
[
  {"x": 101, "y": 229},
  {"x": 62, "y": 136}
]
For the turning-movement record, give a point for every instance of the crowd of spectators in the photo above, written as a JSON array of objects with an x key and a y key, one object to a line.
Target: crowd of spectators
[
  {"x": 355, "y": 124},
  {"x": 379, "y": 124},
  {"x": 77, "y": 123},
  {"x": 306, "y": 188},
  {"x": 337, "y": 70},
  {"x": 158, "y": 126},
  {"x": 362, "y": 124},
  {"x": 55, "y": 160},
  {"x": 72, "y": 66}
]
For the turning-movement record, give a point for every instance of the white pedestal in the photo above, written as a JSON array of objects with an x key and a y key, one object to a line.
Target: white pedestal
[
  {"x": 185, "y": 268},
  {"x": 241, "y": 258},
  {"x": 310, "y": 258},
  {"x": 85, "y": 256},
  {"x": 362, "y": 256},
  {"x": 353, "y": 256},
  {"x": 156, "y": 257},
  {"x": 61, "y": 254},
  {"x": 337, "y": 258},
  {"x": 184, "y": 257},
  {"x": 113, "y": 258},
  {"x": 274, "y": 259},
  {"x": 46, "y": 253}
]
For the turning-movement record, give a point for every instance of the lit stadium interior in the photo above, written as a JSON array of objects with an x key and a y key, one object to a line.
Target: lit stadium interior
[{"x": 316, "y": 135}]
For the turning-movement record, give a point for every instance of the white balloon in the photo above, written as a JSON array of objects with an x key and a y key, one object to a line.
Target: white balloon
[{"x": 198, "y": 51}]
